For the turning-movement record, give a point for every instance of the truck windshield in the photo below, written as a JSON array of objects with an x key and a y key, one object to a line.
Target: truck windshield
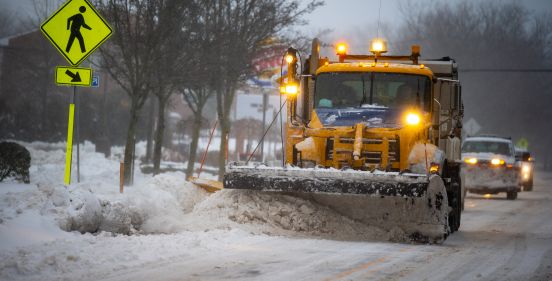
[
  {"x": 372, "y": 89},
  {"x": 486, "y": 147}
]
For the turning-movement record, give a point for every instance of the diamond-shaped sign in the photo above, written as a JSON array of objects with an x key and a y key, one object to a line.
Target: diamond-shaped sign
[
  {"x": 522, "y": 143},
  {"x": 472, "y": 127},
  {"x": 76, "y": 30}
]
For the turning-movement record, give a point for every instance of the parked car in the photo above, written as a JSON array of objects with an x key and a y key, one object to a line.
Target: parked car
[
  {"x": 489, "y": 166},
  {"x": 526, "y": 168}
]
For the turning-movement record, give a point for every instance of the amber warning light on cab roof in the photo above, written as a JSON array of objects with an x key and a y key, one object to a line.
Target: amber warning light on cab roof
[
  {"x": 341, "y": 49},
  {"x": 378, "y": 46}
]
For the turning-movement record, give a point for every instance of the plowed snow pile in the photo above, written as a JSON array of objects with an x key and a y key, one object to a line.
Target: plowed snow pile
[
  {"x": 162, "y": 204},
  {"x": 279, "y": 214}
]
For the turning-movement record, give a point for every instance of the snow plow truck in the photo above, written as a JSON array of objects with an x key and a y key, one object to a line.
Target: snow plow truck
[{"x": 373, "y": 137}]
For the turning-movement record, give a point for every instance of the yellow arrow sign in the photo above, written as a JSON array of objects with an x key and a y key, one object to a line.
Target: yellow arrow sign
[
  {"x": 76, "y": 30},
  {"x": 76, "y": 76}
]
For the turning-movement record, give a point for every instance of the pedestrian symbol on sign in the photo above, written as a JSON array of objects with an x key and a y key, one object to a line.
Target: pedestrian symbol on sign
[{"x": 76, "y": 22}]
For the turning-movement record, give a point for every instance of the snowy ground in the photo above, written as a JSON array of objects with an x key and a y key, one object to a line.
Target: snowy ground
[{"x": 179, "y": 232}]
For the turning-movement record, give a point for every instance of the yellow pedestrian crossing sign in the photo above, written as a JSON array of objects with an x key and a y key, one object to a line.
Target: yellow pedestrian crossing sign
[
  {"x": 522, "y": 143},
  {"x": 76, "y": 30},
  {"x": 76, "y": 76}
]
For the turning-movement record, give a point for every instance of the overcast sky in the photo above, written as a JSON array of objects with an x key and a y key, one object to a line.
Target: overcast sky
[
  {"x": 348, "y": 18},
  {"x": 341, "y": 16}
]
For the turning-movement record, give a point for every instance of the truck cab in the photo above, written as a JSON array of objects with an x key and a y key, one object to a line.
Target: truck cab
[{"x": 376, "y": 112}]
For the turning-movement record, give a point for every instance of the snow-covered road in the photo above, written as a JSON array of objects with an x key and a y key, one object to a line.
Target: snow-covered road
[{"x": 498, "y": 240}]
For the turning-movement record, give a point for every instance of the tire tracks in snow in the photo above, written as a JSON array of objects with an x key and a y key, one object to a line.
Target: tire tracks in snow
[{"x": 502, "y": 246}]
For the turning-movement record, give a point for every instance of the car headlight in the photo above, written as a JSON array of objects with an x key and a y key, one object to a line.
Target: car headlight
[
  {"x": 497, "y": 161},
  {"x": 525, "y": 169},
  {"x": 472, "y": 160}
]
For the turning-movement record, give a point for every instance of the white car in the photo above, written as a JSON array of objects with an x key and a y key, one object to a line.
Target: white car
[{"x": 490, "y": 166}]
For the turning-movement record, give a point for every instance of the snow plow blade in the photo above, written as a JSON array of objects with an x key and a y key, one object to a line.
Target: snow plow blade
[{"x": 416, "y": 204}]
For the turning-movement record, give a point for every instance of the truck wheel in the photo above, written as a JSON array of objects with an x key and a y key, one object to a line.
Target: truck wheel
[
  {"x": 464, "y": 198},
  {"x": 511, "y": 195},
  {"x": 455, "y": 201}
]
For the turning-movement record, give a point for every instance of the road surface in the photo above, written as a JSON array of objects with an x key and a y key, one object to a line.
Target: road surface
[{"x": 498, "y": 240}]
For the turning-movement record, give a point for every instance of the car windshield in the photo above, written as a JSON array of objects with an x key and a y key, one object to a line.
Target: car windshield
[
  {"x": 372, "y": 89},
  {"x": 502, "y": 148}
]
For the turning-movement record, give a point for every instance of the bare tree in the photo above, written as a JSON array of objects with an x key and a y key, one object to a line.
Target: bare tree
[
  {"x": 29, "y": 57},
  {"x": 130, "y": 56},
  {"x": 501, "y": 48},
  {"x": 7, "y": 23},
  {"x": 239, "y": 27},
  {"x": 196, "y": 100},
  {"x": 174, "y": 27},
  {"x": 194, "y": 86}
]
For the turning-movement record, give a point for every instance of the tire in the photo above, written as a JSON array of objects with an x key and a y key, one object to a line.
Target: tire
[
  {"x": 455, "y": 201},
  {"x": 511, "y": 195},
  {"x": 528, "y": 186},
  {"x": 464, "y": 198}
]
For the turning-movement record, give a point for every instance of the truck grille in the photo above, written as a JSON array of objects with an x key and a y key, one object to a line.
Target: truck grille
[{"x": 371, "y": 157}]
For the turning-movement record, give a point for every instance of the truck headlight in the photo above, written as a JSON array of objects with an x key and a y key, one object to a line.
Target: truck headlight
[
  {"x": 497, "y": 161},
  {"x": 291, "y": 89},
  {"x": 472, "y": 160},
  {"x": 413, "y": 119}
]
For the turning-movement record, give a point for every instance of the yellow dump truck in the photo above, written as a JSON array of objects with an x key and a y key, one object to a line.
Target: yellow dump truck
[{"x": 374, "y": 137}]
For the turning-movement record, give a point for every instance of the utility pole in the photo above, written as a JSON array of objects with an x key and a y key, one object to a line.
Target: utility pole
[{"x": 265, "y": 105}]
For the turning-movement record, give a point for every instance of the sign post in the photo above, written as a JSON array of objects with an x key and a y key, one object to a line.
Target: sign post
[
  {"x": 69, "y": 150},
  {"x": 77, "y": 102},
  {"x": 76, "y": 29}
]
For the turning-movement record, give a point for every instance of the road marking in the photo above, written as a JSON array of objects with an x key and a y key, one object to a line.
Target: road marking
[{"x": 365, "y": 266}]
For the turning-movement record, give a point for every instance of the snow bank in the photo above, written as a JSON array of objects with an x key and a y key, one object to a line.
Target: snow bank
[
  {"x": 164, "y": 204},
  {"x": 152, "y": 205},
  {"x": 47, "y": 229},
  {"x": 168, "y": 204}
]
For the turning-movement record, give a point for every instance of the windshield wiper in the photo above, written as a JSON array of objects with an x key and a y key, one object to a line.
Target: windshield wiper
[{"x": 363, "y": 101}]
